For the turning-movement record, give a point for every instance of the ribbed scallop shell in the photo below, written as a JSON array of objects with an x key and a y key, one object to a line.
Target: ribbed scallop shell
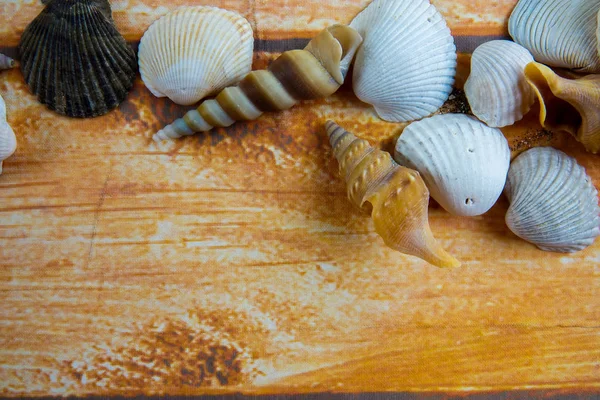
[
  {"x": 74, "y": 59},
  {"x": 553, "y": 203},
  {"x": 6, "y": 62},
  {"x": 559, "y": 33},
  {"x": 194, "y": 52},
  {"x": 463, "y": 162},
  {"x": 497, "y": 90},
  {"x": 8, "y": 141},
  {"x": 406, "y": 65}
]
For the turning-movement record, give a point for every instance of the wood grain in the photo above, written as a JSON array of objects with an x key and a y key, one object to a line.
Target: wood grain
[
  {"x": 276, "y": 19},
  {"x": 232, "y": 261}
]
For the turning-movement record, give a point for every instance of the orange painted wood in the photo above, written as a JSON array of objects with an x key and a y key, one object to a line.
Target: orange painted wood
[{"x": 233, "y": 262}]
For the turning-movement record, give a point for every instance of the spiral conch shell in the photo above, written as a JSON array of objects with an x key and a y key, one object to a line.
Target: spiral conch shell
[
  {"x": 572, "y": 105},
  {"x": 195, "y": 51},
  {"x": 553, "y": 203},
  {"x": 397, "y": 195},
  {"x": 8, "y": 141},
  {"x": 559, "y": 33},
  {"x": 6, "y": 62},
  {"x": 317, "y": 71},
  {"x": 496, "y": 88}
]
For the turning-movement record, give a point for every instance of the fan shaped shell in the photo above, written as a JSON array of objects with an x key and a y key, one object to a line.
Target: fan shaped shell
[
  {"x": 559, "y": 33},
  {"x": 194, "y": 52},
  {"x": 463, "y": 161},
  {"x": 496, "y": 89},
  {"x": 553, "y": 203},
  {"x": 406, "y": 65},
  {"x": 74, "y": 59}
]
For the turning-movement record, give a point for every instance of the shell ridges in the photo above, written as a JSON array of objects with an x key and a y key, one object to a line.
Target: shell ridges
[
  {"x": 194, "y": 52},
  {"x": 553, "y": 203},
  {"x": 74, "y": 59},
  {"x": 463, "y": 162},
  {"x": 406, "y": 65},
  {"x": 496, "y": 88},
  {"x": 559, "y": 33}
]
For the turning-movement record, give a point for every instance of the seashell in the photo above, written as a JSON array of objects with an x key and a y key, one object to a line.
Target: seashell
[
  {"x": 6, "y": 62},
  {"x": 496, "y": 89},
  {"x": 8, "y": 140},
  {"x": 74, "y": 59},
  {"x": 462, "y": 161},
  {"x": 406, "y": 65},
  {"x": 194, "y": 52},
  {"x": 553, "y": 203},
  {"x": 558, "y": 33},
  {"x": 317, "y": 71},
  {"x": 568, "y": 104},
  {"x": 397, "y": 196}
]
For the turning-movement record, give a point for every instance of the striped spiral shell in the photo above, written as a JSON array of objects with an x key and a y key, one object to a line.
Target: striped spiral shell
[
  {"x": 315, "y": 72},
  {"x": 397, "y": 195}
]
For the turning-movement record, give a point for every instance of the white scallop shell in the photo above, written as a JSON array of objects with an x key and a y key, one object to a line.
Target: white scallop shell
[
  {"x": 463, "y": 161},
  {"x": 497, "y": 90},
  {"x": 406, "y": 65},
  {"x": 553, "y": 203},
  {"x": 195, "y": 51},
  {"x": 559, "y": 33},
  {"x": 8, "y": 141}
]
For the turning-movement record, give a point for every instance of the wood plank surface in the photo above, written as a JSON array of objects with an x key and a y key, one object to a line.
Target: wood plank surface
[{"x": 233, "y": 262}]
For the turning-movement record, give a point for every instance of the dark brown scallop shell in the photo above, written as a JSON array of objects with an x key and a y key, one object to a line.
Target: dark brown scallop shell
[{"x": 74, "y": 59}]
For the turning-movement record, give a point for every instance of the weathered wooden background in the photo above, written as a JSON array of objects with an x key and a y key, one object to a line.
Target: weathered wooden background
[{"x": 232, "y": 261}]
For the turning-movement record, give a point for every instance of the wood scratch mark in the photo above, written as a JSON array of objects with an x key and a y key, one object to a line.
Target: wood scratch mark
[
  {"x": 97, "y": 216},
  {"x": 46, "y": 207}
]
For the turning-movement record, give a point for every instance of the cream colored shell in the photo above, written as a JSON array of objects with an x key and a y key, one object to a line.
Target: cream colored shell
[
  {"x": 406, "y": 65},
  {"x": 559, "y": 33},
  {"x": 497, "y": 90},
  {"x": 8, "y": 141},
  {"x": 553, "y": 203},
  {"x": 571, "y": 105},
  {"x": 463, "y": 161},
  {"x": 195, "y": 51}
]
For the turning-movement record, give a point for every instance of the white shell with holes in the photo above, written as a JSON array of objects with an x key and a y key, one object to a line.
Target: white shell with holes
[{"x": 462, "y": 161}]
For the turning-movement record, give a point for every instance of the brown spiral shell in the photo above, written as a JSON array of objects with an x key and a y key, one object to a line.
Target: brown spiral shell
[
  {"x": 397, "y": 195},
  {"x": 316, "y": 71}
]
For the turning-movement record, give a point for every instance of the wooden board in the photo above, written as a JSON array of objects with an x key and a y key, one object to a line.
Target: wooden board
[{"x": 233, "y": 262}]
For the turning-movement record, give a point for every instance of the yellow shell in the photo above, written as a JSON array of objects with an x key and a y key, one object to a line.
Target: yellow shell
[
  {"x": 397, "y": 196},
  {"x": 317, "y": 71},
  {"x": 572, "y": 105}
]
